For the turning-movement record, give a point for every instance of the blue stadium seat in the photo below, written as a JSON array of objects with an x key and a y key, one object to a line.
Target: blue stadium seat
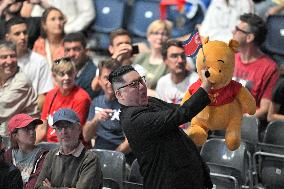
[
  {"x": 269, "y": 160},
  {"x": 184, "y": 24},
  {"x": 228, "y": 169},
  {"x": 142, "y": 13},
  {"x": 274, "y": 42},
  {"x": 113, "y": 167},
  {"x": 109, "y": 16}
]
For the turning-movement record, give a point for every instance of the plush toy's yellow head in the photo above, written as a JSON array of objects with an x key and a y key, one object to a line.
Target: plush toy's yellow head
[{"x": 219, "y": 60}]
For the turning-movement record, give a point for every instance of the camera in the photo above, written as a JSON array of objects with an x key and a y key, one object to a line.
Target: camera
[{"x": 135, "y": 49}]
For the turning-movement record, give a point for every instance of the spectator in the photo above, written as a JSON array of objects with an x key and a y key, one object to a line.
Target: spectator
[
  {"x": 120, "y": 48},
  {"x": 172, "y": 87},
  {"x": 32, "y": 64},
  {"x": 16, "y": 92},
  {"x": 50, "y": 43},
  {"x": 24, "y": 154},
  {"x": 167, "y": 157},
  {"x": 157, "y": 33},
  {"x": 75, "y": 48},
  {"x": 253, "y": 69},
  {"x": 103, "y": 118},
  {"x": 65, "y": 94},
  {"x": 70, "y": 165},
  {"x": 221, "y": 18},
  {"x": 10, "y": 175},
  {"x": 276, "y": 108},
  {"x": 10, "y": 9},
  {"x": 276, "y": 9},
  {"x": 79, "y": 15}
]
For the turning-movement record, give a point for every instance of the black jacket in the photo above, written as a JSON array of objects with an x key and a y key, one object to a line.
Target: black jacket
[
  {"x": 167, "y": 157},
  {"x": 10, "y": 176}
]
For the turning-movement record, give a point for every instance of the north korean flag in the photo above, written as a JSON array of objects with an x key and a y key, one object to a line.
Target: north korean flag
[{"x": 192, "y": 44}]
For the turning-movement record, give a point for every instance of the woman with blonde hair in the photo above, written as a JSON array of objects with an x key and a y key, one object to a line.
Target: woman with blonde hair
[
  {"x": 157, "y": 33},
  {"x": 65, "y": 95},
  {"x": 50, "y": 43}
]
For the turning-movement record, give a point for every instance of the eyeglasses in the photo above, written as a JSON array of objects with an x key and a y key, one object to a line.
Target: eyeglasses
[
  {"x": 176, "y": 55},
  {"x": 58, "y": 61},
  {"x": 164, "y": 34},
  {"x": 135, "y": 83},
  {"x": 28, "y": 128},
  {"x": 65, "y": 126},
  {"x": 240, "y": 30}
]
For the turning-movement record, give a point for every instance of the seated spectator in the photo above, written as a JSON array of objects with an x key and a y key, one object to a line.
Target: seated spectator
[
  {"x": 79, "y": 15},
  {"x": 10, "y": 9},
  {"x": 65, "y": 94},
  {"x": 52, "y": 32},
  {"x": 16, "y": 92},
  {"x": 222, "y": 17},
  {"x": 276, "y": 108},
  {"x": 24, "y": 154},
  {"x": 103, "y": 119},
  {"x": 10, "y": 175},
  {"x": 70, "y": 165},
  {"x": 121, "y": 49},
  {"x": 75, "y": 48},
  {"x": 32, "y": 64},
  {"x": 254, "y": 69},
  {"x": 152, "y": 62},
  {"x": 172, "y": 87}
]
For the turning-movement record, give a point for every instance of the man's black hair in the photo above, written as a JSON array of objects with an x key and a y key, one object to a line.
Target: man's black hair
[
  {"x": 14, "y": 21},
  {"x": 75, "y": 37},
  {"x": 116, "y": 75},
  {"x": 168, "y": 44}
]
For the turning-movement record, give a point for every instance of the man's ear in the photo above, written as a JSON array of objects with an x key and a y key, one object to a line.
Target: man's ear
[
  {"x": 250, "y": 37},
  {"x": 118, "y": 95},
  {"x": 110, "y": 49},
  {"x": 7, "y": 37}
]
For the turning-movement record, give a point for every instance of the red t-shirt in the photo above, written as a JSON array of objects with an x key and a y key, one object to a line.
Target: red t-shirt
[
  {"x": 220, "y": 96},
  {"x": 78, "y": 100},
  {"x": 259, "y": 76}
]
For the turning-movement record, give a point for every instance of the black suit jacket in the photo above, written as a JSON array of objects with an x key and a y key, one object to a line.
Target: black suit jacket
[{"x": 167, "y": 157}]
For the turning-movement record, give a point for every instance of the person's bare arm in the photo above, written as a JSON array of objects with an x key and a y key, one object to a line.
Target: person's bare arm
[
  {"x": 261, "y": 112},
  {"x": 89, "y": 129},
  {"x": 124, "y": 147},
  {"x": 40, "y": 101},
  {"x": 273, "y": 114},
  {"x": 41, "y": 131}
]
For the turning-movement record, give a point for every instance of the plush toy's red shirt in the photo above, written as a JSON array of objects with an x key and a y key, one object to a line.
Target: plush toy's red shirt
[{"x": 220, "y": 96}]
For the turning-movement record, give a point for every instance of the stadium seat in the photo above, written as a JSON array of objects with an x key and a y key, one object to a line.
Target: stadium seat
[
  {"x": 228, "y": 169},
  {"x": 109, "y": 16},
  {"x": 269, "y": 160},
  {"x": 113, "y": 167},
  {"x": 142, "y": 13},
  {"x": 275, "y": 37},
  {"x": 184, "y": 24},
  {"x": 135, "y": 180}
]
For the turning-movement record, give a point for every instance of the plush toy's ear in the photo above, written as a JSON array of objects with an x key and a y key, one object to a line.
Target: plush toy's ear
[
  {"x": 234, "y": 45},
  {"x": 204, "y": 39}
]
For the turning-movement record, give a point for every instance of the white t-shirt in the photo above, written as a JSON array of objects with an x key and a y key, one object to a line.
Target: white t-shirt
[
  {"x": 170, "y": 92},
  {"x": 37, "y": 70}
]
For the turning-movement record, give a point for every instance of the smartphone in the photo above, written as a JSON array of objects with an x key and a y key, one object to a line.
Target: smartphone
[
  {"x": 135, "y": 49},
  {"x": 16, "y": 1}
]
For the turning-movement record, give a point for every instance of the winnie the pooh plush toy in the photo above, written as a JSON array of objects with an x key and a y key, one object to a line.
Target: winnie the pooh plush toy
[{"x": 229, "y": 99}]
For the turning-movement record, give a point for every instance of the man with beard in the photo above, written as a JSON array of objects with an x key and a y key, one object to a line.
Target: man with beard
[
  {"x": 12, "y": 8},
  {"x": 70, "y": 165}
]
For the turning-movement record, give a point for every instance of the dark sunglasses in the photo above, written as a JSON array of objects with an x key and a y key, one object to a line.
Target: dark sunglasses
[
  {"x": 58, "y": 61},
  {"x": 135, "y": 83},
  {"x": 240, "y": 30}
]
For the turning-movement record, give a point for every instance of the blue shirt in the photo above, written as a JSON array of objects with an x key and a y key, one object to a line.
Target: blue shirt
[{"x": 109, "y": 132}]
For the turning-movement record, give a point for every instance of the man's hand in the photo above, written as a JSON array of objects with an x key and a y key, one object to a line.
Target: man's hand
[
  {"x": 46, "y": 183},
  {"x": 123, "y": 52},
  {"x": 103, "y": 114},
  {"x": 206, "y": 84}
]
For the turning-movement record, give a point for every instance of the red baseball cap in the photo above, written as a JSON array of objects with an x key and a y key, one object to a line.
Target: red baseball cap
[{"x": 20, "y": 121}]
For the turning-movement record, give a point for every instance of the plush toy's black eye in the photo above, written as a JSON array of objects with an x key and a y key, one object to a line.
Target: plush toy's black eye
[
  {"x": 221, "y": 61},
  {"x": 219, "y": 71}
]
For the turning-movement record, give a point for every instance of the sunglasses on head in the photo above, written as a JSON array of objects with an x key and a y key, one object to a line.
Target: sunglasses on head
[{"x": 58, "y": 61}]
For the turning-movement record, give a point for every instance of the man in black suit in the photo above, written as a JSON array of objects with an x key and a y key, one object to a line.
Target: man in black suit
[{"x": 168, "y": 158}]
